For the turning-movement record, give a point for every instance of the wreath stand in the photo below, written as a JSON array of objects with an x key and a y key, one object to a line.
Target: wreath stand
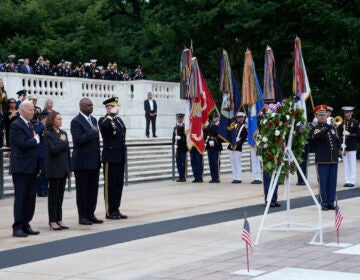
[{"x": 288, "y": 225}]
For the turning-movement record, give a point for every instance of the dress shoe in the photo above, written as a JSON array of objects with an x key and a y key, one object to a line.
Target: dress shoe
[
  {"x": 85, "y": 221},
  {"x": 324, "y": 208},
  {"x": 42, "y": 195},
  {"x": 112, "y": 217},
  {"x": 275, "y": 204},
  {"x": 348, "y": 185},
  {"x": 95, "y": 220},
  {"x": 236, "y": 182},
  {"x": 300, "y": 184},
  {"x": 147, "y": 136},
  {"x": 181, "y": 180},
  {"x": 29, "y": 231},
  {"x": 214, "y": 181},
  {"x": 155, "y": 136},
  {"x": 19, "y": 233},
  {"x": 62, "y": 225},
  {"x": 256, "y": 182},
  {"x": 331, "y": 207},
  {"x": 197, "y": 181},
  {"x": 54, "y": 226},
  {"x": 122, "y": 216}
]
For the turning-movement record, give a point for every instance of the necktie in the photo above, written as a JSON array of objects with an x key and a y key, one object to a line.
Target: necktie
[
  {"x": 89, "y": 120},
  {"x": 30, "y": 126}
]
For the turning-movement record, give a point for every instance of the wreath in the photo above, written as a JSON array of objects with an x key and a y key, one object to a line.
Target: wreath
[{"x": 273, "y": 136}]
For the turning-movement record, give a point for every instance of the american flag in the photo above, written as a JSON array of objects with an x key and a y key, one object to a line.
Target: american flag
[
  {"x": 338, "y": 217},
  {"x": 246, "y": 236}
]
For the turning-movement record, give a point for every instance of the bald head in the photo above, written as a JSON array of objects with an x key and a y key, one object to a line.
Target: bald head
[{"x": 86, "y": 106}]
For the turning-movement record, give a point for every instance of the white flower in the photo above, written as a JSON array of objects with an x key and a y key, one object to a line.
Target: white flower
[
  {"x": 266, "y": 145},
  {"x": 264, "y": 139},
  {"x": 273, "y": 115},
  {"x": 298, "y": 123},
  {"x": 264, "y": 121},
  {"x": 277, "y": 132},
  {"x": 280, "y": 123},
  {"x": 287, "y": 117}
]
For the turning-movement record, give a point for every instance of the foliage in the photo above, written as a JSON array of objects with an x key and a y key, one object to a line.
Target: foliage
[{"x": 274, "y": 135}]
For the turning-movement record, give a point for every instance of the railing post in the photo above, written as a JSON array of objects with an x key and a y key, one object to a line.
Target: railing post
[{"x": 2, "y": 174}]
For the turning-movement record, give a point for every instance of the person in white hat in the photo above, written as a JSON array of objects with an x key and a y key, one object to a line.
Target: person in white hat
[
  {"x": 34, "y": 99},
  {"x": 349, "y": 131},
  {"x": 235, "y": 151}
]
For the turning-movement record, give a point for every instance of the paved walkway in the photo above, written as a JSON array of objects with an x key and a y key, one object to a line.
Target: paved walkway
[{"x": 186, "y": 231}]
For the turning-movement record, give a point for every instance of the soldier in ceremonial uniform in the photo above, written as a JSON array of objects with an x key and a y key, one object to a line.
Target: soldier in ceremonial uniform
[
  {"x": 179, "y": 143},
  {"x": 326, "y": 143},
  {"x": 93, "y": 70},
  {"x": 349, "y": 131},
  {"x": 213, "y": 147},
  {"x": 235, "y": 151},
  {"x": 113, "y": 132}
]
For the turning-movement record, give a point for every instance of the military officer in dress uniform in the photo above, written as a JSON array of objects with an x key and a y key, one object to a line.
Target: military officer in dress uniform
[
  {"x": 349, "y": 130},
  {"x": 179, "y": 143},
  {"x": 93, "y": 70},
  {"x": 113, "y": 132},
  {"x": 324, "y": 138},
  {"x": 213, "y": 147},
  {"x": 235, "y": 151}
]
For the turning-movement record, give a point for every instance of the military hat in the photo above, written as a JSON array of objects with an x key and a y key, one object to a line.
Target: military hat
[
  {"x": 180, "y": 115},
  {"x": 214, "y": 115},
  {"x": 31, "y": 97},
  {"x": 113, "y": 101},
  {"x": 320, "y": 110},
  {"x": 348, "y": 108},
  {"x": 93, "y": 60},
  {"x": 330, "y": 109},
  {"x": 21, "y": 92},
  {"x": 20, "y": 60},
  {"x": 40, "y": 57},
  {"x": 240, "y": 114}
]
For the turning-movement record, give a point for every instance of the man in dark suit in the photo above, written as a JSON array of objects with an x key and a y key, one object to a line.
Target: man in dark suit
[
  {"x": 86, "y": 162},
  {"x": 26, "y": 68},
  {"x": 150, "y": 108},
  {"x": 113, "y": 132},
  {"x": 24, "y": 168}
]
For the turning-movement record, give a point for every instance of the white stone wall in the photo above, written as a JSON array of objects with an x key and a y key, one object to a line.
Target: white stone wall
[{"x": 67, "y": 92}]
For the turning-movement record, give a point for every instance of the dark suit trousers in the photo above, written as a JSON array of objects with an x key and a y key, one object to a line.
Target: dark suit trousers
[
  {"x": 114, "y": 183},
  {"x": 55, "y": 198},
  {"x": 267, "y": 181},
  {"x": 87, "y": 186},
  {"x": 153, "y": 125},
  {"x": 24, "y": 199}
]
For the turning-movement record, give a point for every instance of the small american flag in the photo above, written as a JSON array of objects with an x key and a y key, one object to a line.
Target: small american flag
[
  {"x": 246, "y": 236},
  {"x": 338, "y": 217}
]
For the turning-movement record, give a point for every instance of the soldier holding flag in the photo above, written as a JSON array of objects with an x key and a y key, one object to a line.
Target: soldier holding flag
[{"x": 179, "y": 143}]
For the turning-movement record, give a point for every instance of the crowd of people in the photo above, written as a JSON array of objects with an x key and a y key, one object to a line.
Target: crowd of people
[
  {"x": 87, "y": 70},
  {"x": 331, "y": 141}
]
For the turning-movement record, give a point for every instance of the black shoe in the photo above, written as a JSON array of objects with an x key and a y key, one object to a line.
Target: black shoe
[
  {"x": 147, "y": 136},
  {"x": 42, "y": 195},
  {"x": 236, "y": 182},
  {"x": 63, "y": 226},
  {"x": 19, "y": 233},
  {"x": 85, "y": 221},
  {"x": 324, "y": 208},
  {"x": 275, "y": 204},
  {"x": 154, "y": 136},
  {"x": 122, "y": 216},
  {"x": 113, "y": 217},
  {"x": 52, "y": 227},
  {"x": 300, "y": 184},
  {"x": 214, "y": 181},
  {"x": 181, "y": 180},
  {"x": 348, "y": 185},
  {"x": 29, "y": 231},
  {"x": 95, "y": 220},
  {"x": 197, "y": 181},
  {"x": 331, "y": 207},
  {"x": 256, "y": 182}
]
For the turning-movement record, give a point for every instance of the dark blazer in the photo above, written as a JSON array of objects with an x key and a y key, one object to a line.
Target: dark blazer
[
  {"x": 147, "y": 107},
  {"x": 57, "y": 161},
  {"x": 24, "y": 153},
  {"x": 113, "y": 132},
  {"x": 86, "y": 152},
  {"x": 24, "y": 70}
]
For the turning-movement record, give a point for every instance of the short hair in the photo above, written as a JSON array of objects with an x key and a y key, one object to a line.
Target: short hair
[{"x": 50, "y": 120}]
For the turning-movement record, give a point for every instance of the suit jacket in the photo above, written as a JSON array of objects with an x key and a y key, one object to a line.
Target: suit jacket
[
  {"x": 86, "y": 152},
  {"x": 113, "y": 132},
  {"x": 147, "y": 107},
  {"x": 57, "y": 161},
  {"x": 23, "y": 69},
  {"x": 24, "y": 151}
]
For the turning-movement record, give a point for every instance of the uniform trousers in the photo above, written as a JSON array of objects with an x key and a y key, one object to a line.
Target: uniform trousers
[
  {"x": 197, "y": 164},
  {"x": 350, "y": 167},
  {"x": 267, "y": 181},
  {"x": 87, "y": 186},
  {"x": 153, "y": 125},
  {"x": 214, "y": 164},
  {"x": 181, "y": 163},
  {"x": 114, "y": 183},
  {"x": 255, "y": 165},
  {"x": 41, "y": 181},
  {"x": 24, "y": 199},
  {"x": 327, "y": 173},
  {"x": 55, "y": 198},
  {"x": 236, "y": 166}
]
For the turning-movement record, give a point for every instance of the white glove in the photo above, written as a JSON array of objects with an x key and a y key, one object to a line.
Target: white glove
[
  {"x": 346, "y": 133},
  {"x": 343, "y": 146},
  {"x": 211, "y": 143},
  {"x": 315, "y": 121},
  {"x": 37, "y": 138},
  {"x": 177, "y": 137},
  {"x": 175, "y": 146},
  {"x": 329, "y": 120},
  {"x": 237, "y": 139}
]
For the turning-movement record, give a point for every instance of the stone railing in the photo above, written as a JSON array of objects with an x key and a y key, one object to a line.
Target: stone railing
[{"x": 67, "y": 92}]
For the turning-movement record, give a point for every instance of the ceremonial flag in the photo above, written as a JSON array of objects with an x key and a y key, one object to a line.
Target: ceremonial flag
[
  {"x": 272, "y": 89},
  {"x": 301, "y": 86},
  {"x": 338, "y": 217},
  {"x": 231, "y": 101},
  {"x": 198, "y": 108},
  {"x": 246, "y": 236},
  {"x": 185, "y": 65},
  {"x": 252, "y": 96}
]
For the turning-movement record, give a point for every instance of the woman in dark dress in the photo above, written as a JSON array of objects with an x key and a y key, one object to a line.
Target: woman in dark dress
[
  {"x": 57, "y": 167},
  {"x": 10, "y": 114}
]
